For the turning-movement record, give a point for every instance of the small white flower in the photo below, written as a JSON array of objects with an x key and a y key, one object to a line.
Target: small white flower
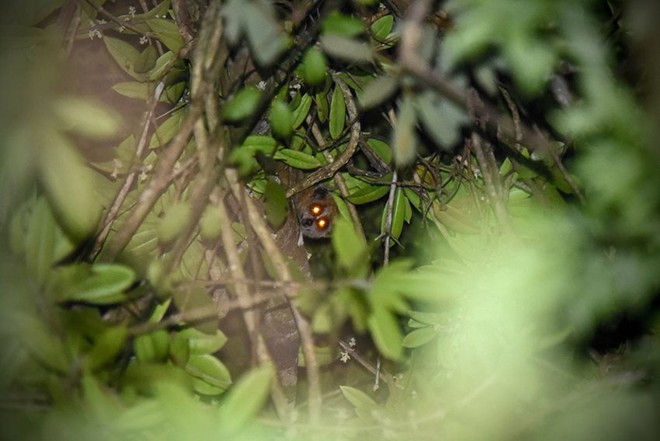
[
  {"x": 352, "y": 342},
  {"x": 91, "y": 34},
  {"x": 344, "y": 357},
  {"x": 131, "y": 11},
  {"x": 121, "y": 29},
  {"x": 144, "y": 39},
  {"x": 101, "y": 21}
]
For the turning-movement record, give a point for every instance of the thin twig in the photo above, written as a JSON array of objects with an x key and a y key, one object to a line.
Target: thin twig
[
  {"x": 129, "y": 180},
  {"x": 388, "y": 219}
]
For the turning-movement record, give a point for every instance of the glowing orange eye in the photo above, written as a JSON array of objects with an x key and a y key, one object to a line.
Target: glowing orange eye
[
  {"x": 322, "y": 223},
  {"x": 316, "y": 209}
]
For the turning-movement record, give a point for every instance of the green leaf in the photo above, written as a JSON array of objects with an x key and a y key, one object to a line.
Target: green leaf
[
  {"x": 337, "y": 113},
  {"x": 133, "y": 89},
  {"x": 367, "y": 193},
  {"x": 382, "y": 27},
  {"x": 40, "y": 341},
  {"x": 69, "y": 187},
  {"x": 341, "y": 24},
  {"x": 281, "y": 120},
  {"x": 302, "y": 110},
  {"x": 378, "y": 91},
  {"x": 399, "y": 208},
  {"x": 41, "y": 239},
  {"x": 243, "y": 104},
  {"x": 213, "y": 375},
  {"x": 404, "y": 138},
  {"x": 211, "y": 223},
  {"x": 276, "y": 203},
  {"x": 246, "y": 398},
  {"x": 381, "y": 148},
  {"x": 196, "y": 299},
  {"x": 441, "y": 119},
  {"x": 98, "y": 284},
  {"x": 125, "y": 55},
  {"x": 106, "y": 347},
  {"x": 315, "y": 66},
  {"x": 419, "y": 337},
  {"x": 153, "y": 347},
  {"x": 350, "y": 248},
  {"x": 384, "y": 329},
  {"x": 358, "y": 399},
  {"x": 167, "y": 32},
  {"x": 202, "y": 343},
  {"x": 86, "y": 117},
  {"x": 322, "y": 106},
  {"x": 347, "y": 49},
  {"x": 532, "y": 62},
  {"x": 163, "y": 64},
  {"x": 266, "y": 39},
  {"x": 146, "y": 60},
  {"x": 168, "y": 128},
  {"x": 296, "y": 159},
  {"x": 175, "y": 220}
]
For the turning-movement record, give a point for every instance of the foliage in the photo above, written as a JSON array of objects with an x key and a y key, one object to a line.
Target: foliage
[{"x": 497, "y": 201}]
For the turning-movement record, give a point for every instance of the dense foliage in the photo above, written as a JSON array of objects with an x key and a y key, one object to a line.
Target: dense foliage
[{"x": 492, "y": 267}]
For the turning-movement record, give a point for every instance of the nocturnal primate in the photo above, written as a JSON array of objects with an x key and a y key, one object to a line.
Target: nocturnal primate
[{"x": 316, "y": 211}]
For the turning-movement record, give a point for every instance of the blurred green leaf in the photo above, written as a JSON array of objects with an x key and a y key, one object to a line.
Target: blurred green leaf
[
  {"x": 276, "y": 203},
  {"x": 246, "y": 398},
  {"x": 202, "y": 343},
  {"x": 358, "y": 399},
  {"x": 175, "y": 220},
  {"x": 211, "y": 223},
  {"x": 243, "y": 104},
  {"x": 345, "y": 25},
  {"x": 315, "y": 66},
  {"x": 441, "y": 119},
  {"x": 37, "y": 236},
  {"x": 40, "y": 341},
  {"x": 267, "y": 41},
  {"x": 419, "y": 337},
  {"x": 281, "y": 120},
  {"x": 86, "y": 117},
  {"x": 384, "y": 329},
  {"x": 197, "y": 299},
  {"x": 378, "y": 91},
  {"x": 346, "y": 49},
  {"x": 350, "y": 248},
  {"x": 69, "y": 188},
  {"x": 213, "y": 376},
  {"x": 98, "y": 284},
  {"x": 404, "y": 138},
  {"x": 152, "y": 347},
  {"x": 337, "y": 113},
  {"x": 106, "y": 348}
]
